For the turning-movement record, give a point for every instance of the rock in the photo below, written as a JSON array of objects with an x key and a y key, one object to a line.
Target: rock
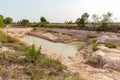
[
  {"x": 102, "y": 39},
  {"x": 106, "y": 59},
  {"x": 21, "y": 57},
  {"x": 4, "y": 49},
  {"x": 96, "y": 57},
  {"x": 109, "y": 39},
  {"x": 112, "y": 62}
]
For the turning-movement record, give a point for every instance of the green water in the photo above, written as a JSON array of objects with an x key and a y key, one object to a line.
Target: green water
[{"x": 59, "y": 48}]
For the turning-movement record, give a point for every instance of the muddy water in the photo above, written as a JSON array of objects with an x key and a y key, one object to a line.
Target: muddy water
[{"x": 59, "y": 48}]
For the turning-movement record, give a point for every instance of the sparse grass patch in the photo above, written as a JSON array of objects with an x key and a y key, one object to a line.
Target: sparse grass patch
[
  {"x": 110, "y": 45},
  {"x": 3, "y": 37},
  {"x": 95, "y": 46},
  {"x": 19, "y": 46}
]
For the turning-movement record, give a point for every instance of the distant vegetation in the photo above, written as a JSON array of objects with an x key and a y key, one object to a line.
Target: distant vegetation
[
  {"x": 100, "y": 22},
  {"x": 83, "y": 20},
  {"x": 23, "y": 22},
  {"x": 8, "y": 20}
]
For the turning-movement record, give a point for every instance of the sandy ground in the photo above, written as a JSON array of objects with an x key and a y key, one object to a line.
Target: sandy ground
[{"x": 77, "y": 64}]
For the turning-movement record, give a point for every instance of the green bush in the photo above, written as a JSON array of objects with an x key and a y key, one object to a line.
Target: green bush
[
  {"x": 2, "y": 25},
  {"x": 32, "y": 53},
  {"x": 109, "y": 45},
  {"x": 95, "y": 47},
  {"x": 3, "y": 37}
]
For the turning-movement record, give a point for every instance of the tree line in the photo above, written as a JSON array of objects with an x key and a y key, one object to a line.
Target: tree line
[
  {"x": 82, "y": 21},
  {"x": 23, "y": 22}
]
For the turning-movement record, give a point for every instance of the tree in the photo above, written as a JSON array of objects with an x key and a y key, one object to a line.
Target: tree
[
  {"x": 77, "y": 21},
  {"x": 8, "y": 20},
  {"x": 2, "y": 25},
  {"x": 83, "y": 20},
  {"x": 85, "y": 17},
  {"x": 43, "y": 19},
  {"x": 106, "y": 19},
  {"x": 25, "y": 22},
  {"x": 96, "y": 19},
  {"x": 68, "y": 22}
]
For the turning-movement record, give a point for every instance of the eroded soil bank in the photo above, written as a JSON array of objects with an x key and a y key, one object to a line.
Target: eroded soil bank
[{"x": 81, "y": 62}]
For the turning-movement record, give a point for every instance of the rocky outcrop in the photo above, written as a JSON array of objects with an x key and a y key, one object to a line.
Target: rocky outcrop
[
  {"x": 108, "y": 39},
  {"x": 106, "y": 58},
  {"x": 17, "y": 32}
]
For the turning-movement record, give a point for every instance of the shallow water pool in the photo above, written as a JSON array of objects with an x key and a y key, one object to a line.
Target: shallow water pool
[{"x": 59, "y": 48}]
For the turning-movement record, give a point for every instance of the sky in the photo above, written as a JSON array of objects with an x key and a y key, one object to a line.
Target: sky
[{"x": 57, "y": 10}]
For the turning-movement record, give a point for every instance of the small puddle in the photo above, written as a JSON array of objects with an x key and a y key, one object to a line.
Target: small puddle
[{"x": 59, "y": 48}]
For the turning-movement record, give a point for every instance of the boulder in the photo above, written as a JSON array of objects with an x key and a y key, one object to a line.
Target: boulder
[
  {"x": 112, "y": 62},
  {"x": 96, "y": 57},
  {"x": 104, "y": 60}
]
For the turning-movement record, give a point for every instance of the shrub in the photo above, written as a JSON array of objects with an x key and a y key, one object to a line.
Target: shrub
[
  {"x": 95, "y": 47},
  {"x": 32, "y": 53},
  {"x": 3, "y": 37},
  {"x": 109, "y": 45}
]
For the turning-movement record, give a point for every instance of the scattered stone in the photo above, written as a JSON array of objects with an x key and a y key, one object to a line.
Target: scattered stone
[{"x": 21, "y": 57}]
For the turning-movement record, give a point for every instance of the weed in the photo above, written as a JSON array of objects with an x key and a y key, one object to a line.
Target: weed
[{"x": 32, "y": 53}]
